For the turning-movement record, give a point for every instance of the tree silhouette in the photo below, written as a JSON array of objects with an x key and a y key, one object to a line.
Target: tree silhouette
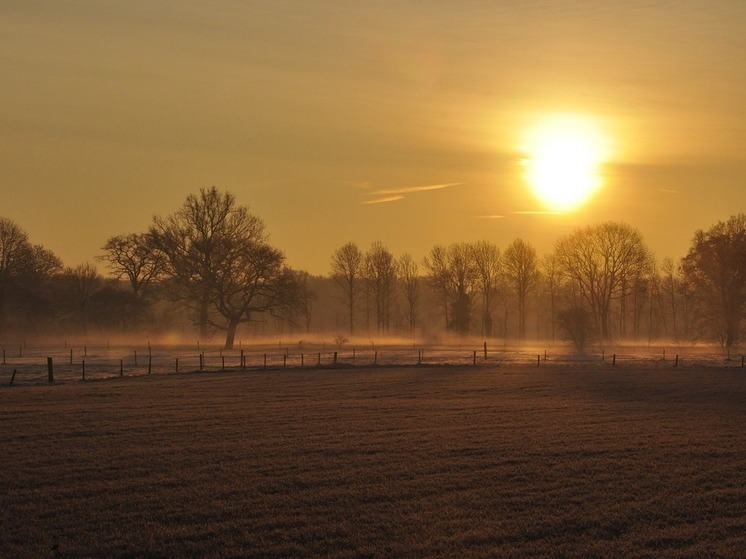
[
  {"x": 347, "y": 273},
  {"x": 487, "y": 265},
  {"x": 599, "y": 260},
  {"x": 218, "y": 255},
  {"x": 522, "y": 271},
  {"x": 716, "y": 267}
]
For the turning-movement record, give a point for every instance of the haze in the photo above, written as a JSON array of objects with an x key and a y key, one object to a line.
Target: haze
[{"x": 399, "y": 121}]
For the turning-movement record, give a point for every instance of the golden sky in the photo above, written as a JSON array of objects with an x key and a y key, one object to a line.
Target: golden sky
[{"x": 359, "y": 121}]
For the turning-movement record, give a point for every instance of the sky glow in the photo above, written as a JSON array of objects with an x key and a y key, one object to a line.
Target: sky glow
[{"x": 115, "y": 111}]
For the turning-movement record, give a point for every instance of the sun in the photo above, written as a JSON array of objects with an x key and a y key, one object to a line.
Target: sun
[{"x": 564, "y": 155}]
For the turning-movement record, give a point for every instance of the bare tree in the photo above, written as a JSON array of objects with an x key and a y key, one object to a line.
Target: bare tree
[
  {"x": 380, "y": 273},
  {"x": 133, "y": 256},
  {"x": 599, "y": 260},
  {"x": 408, "y": 274},
  {"x": 716, "y": 267},
  {"x": 347, "y": 273},
  {"x": 522, "y": 271},
  {"x": 551, "y": 272},
  {"x": 486, "y": 257},
  {"x": 86, "y": 281},
  {"x": 452, "y": 274},
  {"x": 306, "y": 298},
  {"x": 439, "y": 279},
  {"x": 218, "y": 255},
  {"x": 14, "y": 248}
]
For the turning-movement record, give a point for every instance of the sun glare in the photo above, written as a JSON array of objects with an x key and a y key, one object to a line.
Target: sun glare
[{"x": 563, "y": 161}]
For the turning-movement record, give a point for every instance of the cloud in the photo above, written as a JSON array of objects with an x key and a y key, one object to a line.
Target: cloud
[
  {"x": 492, "y": 216},
  {"x": 538, "y": 212},
  {"x": 394, "y": 194},
  {"x": 384, "y": 200}
]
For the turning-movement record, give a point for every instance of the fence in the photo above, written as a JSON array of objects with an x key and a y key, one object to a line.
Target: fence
[{"x": 46, "y": 364}]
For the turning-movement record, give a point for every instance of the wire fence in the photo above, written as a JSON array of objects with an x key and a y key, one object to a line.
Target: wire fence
[{"x": 48, "y": 364}]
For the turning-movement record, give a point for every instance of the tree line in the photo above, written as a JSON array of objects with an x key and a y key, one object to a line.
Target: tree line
[{"x": 209, "y": 267}]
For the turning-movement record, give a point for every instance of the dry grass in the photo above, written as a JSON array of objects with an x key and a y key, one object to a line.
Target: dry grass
[{"x": 432, "y": 462}]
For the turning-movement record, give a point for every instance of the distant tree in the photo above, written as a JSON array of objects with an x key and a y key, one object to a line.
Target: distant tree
[
  {"x": 306, "y": 297},
  {"x": 487, "y": 265},
  {"x": 522, "y": 271},
  {"x": 347, "y": 273},
  {"x": 452, "y": 274},
  {"x": 85, "y": 281},
  {"x": 716, "y": 267},
  {"x": 133, "y": 257},
  {"x": 551, "y": 273},
  {"x": 14, "y": 250},
  {"x": 218, "y": 256},
  {"x": 409, "y": 277},
  {"x": 598, "y": 260},
  {"x": 381, "y": 273},
  {"x": 26, "y": 271},
  {"x": 439, "y": 278},
  {"x": 577, "y": 322}
]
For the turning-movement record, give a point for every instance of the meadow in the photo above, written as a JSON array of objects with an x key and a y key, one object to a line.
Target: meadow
[{"x": 493, "y": 460}]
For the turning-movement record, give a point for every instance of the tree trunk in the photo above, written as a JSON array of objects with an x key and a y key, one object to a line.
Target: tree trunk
[{"x": 230, "y": 335}]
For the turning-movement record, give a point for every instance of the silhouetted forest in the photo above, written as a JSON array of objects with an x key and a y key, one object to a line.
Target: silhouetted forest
[{"x": 209, "y": 271}]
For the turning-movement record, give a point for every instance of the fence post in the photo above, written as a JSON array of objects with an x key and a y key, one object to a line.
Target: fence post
[
  {"x": 150, "y": 363},
  {"x": 121, "y": 367},
  {"x": 419, "y": 357},
  {"x": 538, "y": 360},
  {"x": 613, "y": 360},
  {"x": 177, "y": 364},
  {"x": 375, "y": 357},
  {"x": 243, "y": 363},
  {"x": 335, "y": 357},
  {"x": 284, "y": 360},
  {"x": 485, "y": 351},
  {"x": 71, "y": 357},
  {"x": 12, "y": 378},
  {"x": 50, "y": 370},
  {"x": 135, "y": 358},
  {"x": 265, "y": 360},
  {"x": 475, "y": 357},
  {"x": 83, "y": 364},
  {"x": 319, "y": 359},
  {"x": 301, "y": 359},
  {"x": 676, "y": 362},
  {"x": 222, "y": 358}
]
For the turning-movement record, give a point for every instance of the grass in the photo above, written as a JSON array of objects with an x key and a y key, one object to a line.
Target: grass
[{"x": 434, "y": 462}]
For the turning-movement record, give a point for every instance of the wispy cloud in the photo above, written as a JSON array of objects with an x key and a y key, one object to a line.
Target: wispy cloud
[
  {"x": 394, "y": 194},
  {"x": 491, "y": 216},
  {"x": 384, "y": 200}
]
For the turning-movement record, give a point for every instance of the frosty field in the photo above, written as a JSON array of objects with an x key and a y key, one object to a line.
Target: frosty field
[{"x": 498, "y": 460}]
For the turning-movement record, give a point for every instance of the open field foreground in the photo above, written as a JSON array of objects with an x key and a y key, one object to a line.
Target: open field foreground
[{"x": 389, "y": 462}]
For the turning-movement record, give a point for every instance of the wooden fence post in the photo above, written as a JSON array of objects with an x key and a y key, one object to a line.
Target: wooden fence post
[
  {"x": 121, "y": 367},
  {"x": 150, "y": 363},
  {"x": 12, "y": 378},
  {"x": 177, "y": 364},
  {"x": 50, "y": 370},
  {"x": 485, "y": 351},
  {"x": 83, "y": 365}
]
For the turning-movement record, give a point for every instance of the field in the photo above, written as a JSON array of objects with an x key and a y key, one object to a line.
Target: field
[{"x": 441, "y": 461}]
